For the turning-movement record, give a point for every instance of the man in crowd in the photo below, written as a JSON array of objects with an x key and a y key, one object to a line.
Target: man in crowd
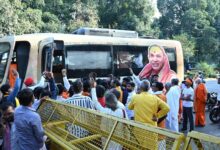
[
  {"x": 29, "y": 131},
  {"x": 116, "y": 84},
  {"x": 124, "y": 83},
  {"x": 187, "y": 98},
  {"x": 79, "y": 100},
  {"x": 146, "y": 106},
  {"x": 100, "y": 92},
  {"x": 9, "y": 95},
  {"x": 173, "y": 97},
  {"x": 157, "y": 89},
  {"x": 154, "y": 78},
  {"x": 7, "y": 126},
  {"x": 200, "y": 102},
  {"x": 131, "y": 92}
]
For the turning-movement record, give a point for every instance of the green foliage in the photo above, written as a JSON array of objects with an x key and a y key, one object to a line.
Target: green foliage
[
  {"x": 199, "y": 19},
  {"x": 188, "y": 44},
  {"x": 82, "y": 14},
  {"x": 207, "y": 69},
  {"x": 132, "y": 15},
  {"x": 195, "y": 23},
  {"x": 30, "y": 16},
  {"x": 51, "y": 23},
  {"x": 8, "y": 18}
]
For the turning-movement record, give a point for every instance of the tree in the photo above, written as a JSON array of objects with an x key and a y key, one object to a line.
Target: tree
[
  {"x": 51, "y": 23},
  {"x": 129, "y": 15},
  {"x": 82, "y": 14},
  {"x": 30, "y": 21},
  {"x": 188, "y": 45},
  {"x": 196, "y": 18},
  {"x": 8, "y": 18}
]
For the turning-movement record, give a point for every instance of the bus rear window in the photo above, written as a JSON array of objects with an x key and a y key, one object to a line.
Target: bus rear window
[{"x": 4, "y": 53}]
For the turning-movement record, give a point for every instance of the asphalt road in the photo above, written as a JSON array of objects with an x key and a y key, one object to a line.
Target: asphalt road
[{"x": 210, "y": 128}]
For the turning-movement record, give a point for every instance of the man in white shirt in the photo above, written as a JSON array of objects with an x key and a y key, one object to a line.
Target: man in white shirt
[
  {"x": 187, "y": 97},
  {"x": 173, "y": 97},
  {"x": 130, "y": 88}
]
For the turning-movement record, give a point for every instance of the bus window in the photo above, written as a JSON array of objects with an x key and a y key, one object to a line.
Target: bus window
[
  {"x": 129, "y": 57},
  {"x": 136, "y": 57},
  {"x": 21, "y": 57},
  {"x": 171, "y": 53},
  {"x": 46, "y": 58},
  {"x": 83, "y": 59},
  {"x": 4, "y": 53},
  {"x": 58, "y": 65}
]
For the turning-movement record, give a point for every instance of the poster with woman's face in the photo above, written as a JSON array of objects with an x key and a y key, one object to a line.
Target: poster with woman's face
[{"x": 151, "y": 61}]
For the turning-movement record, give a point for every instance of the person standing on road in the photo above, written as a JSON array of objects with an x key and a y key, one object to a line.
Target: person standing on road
[
  {"x": 173, "y": 97},
  {"x": 187, "y": 98},
  {"x": 200, "y": 102}
]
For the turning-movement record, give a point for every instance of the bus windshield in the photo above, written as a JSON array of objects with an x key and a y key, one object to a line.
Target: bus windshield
[{"x": 4, "y": 53}]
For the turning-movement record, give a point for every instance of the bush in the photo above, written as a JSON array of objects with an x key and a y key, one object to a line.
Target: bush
[{"x": 208, "y": 70}]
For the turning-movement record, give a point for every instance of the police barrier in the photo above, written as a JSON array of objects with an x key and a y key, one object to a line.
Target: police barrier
[
  {"x": 94, "y": 130},
  {"x": 201, "y": 141}
]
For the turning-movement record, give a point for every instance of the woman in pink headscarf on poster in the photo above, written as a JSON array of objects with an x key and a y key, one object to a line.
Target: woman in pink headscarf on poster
[{"x": 158, "y": 65}]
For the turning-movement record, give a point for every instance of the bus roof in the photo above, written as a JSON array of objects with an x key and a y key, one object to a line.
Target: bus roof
[{"x": 70, "y": 39}]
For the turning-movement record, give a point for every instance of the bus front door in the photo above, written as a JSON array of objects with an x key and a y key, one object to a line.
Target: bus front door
[
  {"x": 46, "y": 48},
  {"x": 7, "y": 45}
]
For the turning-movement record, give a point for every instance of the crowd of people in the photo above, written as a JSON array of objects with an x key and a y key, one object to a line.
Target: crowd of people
[{"x": 143, "y": 100}]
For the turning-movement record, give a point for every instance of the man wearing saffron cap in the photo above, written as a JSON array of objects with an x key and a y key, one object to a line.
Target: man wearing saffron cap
[
  {"x": 158, "y": 65},
  {"x": 187, "y": 98},
  {"x": 200, "y": 102}
]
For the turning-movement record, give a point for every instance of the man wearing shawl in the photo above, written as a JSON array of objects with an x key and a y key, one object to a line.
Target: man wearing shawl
[
  {"x": 173, "y": 97},
  {"x": 158, "y": 65},
  {"x": 187, "y": 98},
  {"x": 200, "y": 102}
]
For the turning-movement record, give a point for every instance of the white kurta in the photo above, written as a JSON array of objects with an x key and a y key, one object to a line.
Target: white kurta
[{"x": 173, "y": 98}]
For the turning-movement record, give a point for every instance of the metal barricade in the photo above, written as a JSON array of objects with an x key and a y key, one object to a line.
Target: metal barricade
[
  {"x": 200, "y": 141},
  {"x": 71, "y": 127}
]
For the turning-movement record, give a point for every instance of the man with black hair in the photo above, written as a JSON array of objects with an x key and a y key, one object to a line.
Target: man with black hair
[
  {"x": 9, "y": 94},
  {"x": 117, "y": 85},
  {"x": 61, "y": 89},
  {"x": 82, "y": 101},
  {"x": 29, "y": 130},
  {"x": 124, "y": 89},
  {"x": 188, "y": 99},
  {"x": 86, "y": 88},
  {"x": 131, "y": 92},
  {"x": 154, "y": 78},
  {"x": 100, "y": 92},
  {"x": 157, "y": 88},
  {"x": 7, "y": 126},
  {"x": 146, "y": 106}
]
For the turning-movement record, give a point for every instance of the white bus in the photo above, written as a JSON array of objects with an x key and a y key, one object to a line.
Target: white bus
[{"x": 103, "y": 51}]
